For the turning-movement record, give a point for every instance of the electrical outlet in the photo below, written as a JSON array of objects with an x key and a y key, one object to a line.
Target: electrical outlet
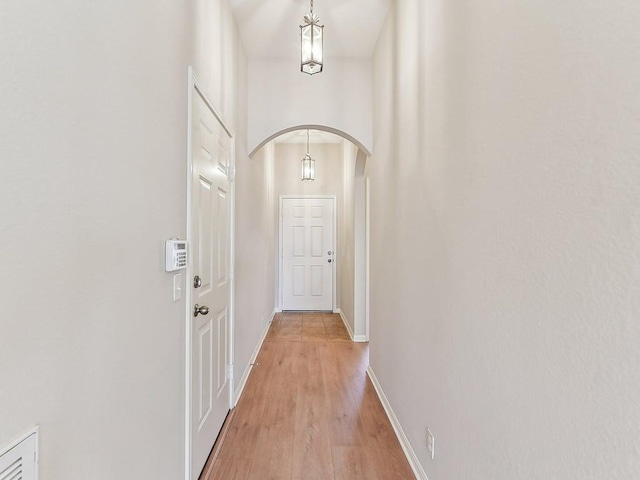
[{"x": 431, "y": 444}]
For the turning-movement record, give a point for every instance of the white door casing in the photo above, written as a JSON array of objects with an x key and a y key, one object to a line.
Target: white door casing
[
  {"x": 307, "y": 251},
  {"x": 209, "y": 382}
]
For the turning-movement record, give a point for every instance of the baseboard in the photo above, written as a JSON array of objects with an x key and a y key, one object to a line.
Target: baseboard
[
  {"x": 354, "y": 338},
  {"x": 402, "y": 438},
  {"x": 247, "y": 371},
  {"x": 344, "y": 320}
]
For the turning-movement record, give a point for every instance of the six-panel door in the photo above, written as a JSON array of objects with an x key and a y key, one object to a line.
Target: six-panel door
[
  {"x": 210, "y": 250},
  {"x": 308, "y": 256}
]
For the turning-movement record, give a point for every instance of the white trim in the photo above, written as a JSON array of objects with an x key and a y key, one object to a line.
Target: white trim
[
  {"x": 280, "y": 254},
  {"x": 194, "y": 84},
  {"x": 367, "y": 250},
  {"x": 245, "y": 376},
  {"x": 34, "y": 431},
  {"x": 395, "y": 423},
  {"x": 344, "y": 320},
  {"x": 354, "y": 338},
  {"x": 335, "y": 245},
  {"x": 188, "y": 295},
  {"x": 334, "y": 302},
  {"x": 310, "y": 126},
  {"x": 198, "y": 86},
  {"x": 231, "y": 175}
]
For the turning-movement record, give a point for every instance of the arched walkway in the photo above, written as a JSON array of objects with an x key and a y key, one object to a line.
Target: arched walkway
[{"x": 359, "y": 315}]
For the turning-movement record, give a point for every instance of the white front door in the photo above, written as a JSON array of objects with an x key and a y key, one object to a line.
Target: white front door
[
  {"x": 308, "y": 256},
  {"x": 210, "y": 243}
]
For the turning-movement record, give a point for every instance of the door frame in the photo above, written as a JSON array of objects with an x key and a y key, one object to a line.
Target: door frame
[
  {"x": 334, "y": 307},
  {"x": 195, "y": 86},
  {"x": 367, "y": 250}
]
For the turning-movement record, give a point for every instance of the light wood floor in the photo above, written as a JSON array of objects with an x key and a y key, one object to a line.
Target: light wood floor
[{"x": 309, "y": 411}]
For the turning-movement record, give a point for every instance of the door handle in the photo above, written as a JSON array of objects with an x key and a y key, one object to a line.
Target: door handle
[
  {"x": 200, "y": 310},
  {"x": 329, "y": 261}
]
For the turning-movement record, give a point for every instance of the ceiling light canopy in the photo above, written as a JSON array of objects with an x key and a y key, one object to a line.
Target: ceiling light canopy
[{"x": 311, "y": 39}]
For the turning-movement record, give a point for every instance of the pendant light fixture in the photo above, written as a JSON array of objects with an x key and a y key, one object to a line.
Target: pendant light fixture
[
  {"x": 311, "y": 38},
  {"x": 308, "y": 165}
]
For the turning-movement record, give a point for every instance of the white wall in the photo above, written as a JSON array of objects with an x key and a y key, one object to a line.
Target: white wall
[
  {"x": 329, "y": 169},
  {"x": 345, "y": 254},
  {"x": 256, "y": 239},
  {"x": 360, "y": 253},
  {"x": 506, "y": 235},
  {"x": 281, "y": 97},
  {"x": 93, "y": 155}
]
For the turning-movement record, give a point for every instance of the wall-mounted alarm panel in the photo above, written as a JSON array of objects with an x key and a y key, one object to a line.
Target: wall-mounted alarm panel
[{"x": 176, "y": 255}]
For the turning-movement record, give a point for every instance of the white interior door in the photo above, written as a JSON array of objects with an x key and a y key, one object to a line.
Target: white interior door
[
  {"x": 308, "y": 256},
  {"x": 210, "y": 243}
]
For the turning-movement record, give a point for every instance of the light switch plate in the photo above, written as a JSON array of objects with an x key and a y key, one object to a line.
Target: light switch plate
[{"x": 177, "y": 287}]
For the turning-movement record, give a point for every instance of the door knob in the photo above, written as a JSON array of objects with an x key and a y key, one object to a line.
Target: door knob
[
  {"x": 200, "y": 310},
  {"x": 197, "y": 282},
  {"x": 329, "y": 260}
]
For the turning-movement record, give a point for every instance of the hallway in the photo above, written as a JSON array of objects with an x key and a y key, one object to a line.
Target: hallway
[
  {"x": 309, "y": 411},
  {"x": 486, "y": 178}
]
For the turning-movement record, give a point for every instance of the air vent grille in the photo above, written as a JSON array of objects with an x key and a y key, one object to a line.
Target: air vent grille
[
  {"x": 13, "y": 471},
  {"x": 19, "y": 460}
]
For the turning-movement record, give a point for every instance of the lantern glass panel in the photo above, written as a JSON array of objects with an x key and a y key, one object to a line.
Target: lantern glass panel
[
  {"x": 307, "y": 43},
  {"x": 317, "y": 43},
  {"x": 308, "y": 168}
]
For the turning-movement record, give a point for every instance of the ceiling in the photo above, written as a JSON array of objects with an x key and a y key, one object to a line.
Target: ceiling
[{"x": 270, "y": 28}]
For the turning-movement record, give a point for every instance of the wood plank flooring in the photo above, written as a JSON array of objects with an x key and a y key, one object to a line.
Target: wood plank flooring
[{"x": 309, "y": 411}]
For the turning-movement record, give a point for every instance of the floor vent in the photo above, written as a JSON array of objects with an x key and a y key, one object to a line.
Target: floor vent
[{"x": 19, "y": 460}]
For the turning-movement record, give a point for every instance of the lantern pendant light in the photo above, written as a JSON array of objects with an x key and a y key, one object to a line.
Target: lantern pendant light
[
  {"x": 308, "y": 165},
  {"x": 311, "y": 38}
]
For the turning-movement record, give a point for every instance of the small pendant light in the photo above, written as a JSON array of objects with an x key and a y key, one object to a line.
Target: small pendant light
[
  {"x": 311, "y": 39},
  {"x": 308, "y": 165}
]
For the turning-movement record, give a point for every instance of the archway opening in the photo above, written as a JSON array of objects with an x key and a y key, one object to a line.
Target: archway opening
[
  {"x": 316, "y": 127},
  {"x": 340, "y": 172}
]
